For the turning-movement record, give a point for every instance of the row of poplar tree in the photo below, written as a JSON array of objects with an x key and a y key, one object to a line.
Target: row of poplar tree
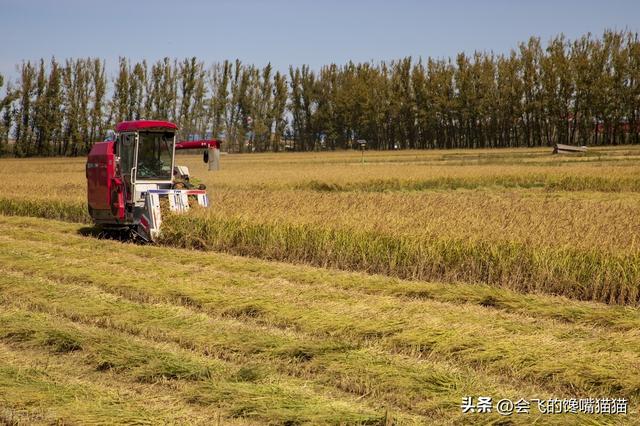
[{"x": 585, "y": 91}]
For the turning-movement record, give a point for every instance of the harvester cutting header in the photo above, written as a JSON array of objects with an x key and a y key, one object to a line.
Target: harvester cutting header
[{"x": 129, "y": 174}]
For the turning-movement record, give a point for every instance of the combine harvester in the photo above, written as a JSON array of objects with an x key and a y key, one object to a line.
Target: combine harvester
[{"x": 130, "y": 174}]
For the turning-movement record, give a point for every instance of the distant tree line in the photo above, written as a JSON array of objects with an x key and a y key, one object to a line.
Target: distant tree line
[{"x": 585, "y": 91}]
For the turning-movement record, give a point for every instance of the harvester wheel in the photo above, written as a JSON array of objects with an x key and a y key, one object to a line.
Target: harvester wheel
[{"x": 136, "y": 234}]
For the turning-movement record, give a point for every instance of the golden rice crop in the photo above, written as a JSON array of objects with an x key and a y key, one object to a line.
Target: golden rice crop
[
  {"x": 97, "y": 329},
  {"x": 583, "y": 274},
  {"x": 522, "y": 219}
]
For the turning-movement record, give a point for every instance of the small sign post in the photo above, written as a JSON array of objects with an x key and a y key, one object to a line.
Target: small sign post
[{"x": 363, "y": 146}]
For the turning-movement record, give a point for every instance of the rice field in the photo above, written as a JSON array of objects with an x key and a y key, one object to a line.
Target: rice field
[
  {"x": 94, "y": 329},
  {"x": 321, "y": 289},
  {"x": 519, "y": 219}
]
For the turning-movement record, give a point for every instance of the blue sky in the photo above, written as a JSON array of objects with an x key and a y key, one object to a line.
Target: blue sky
[{"x": 291, "y": 32}]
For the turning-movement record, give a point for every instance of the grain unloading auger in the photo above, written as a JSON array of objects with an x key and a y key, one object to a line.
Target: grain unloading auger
[{"x": 132, "y": 174}]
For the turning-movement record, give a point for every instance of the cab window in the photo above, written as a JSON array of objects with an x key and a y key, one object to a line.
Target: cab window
[{"x": 155, "y": 152}]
